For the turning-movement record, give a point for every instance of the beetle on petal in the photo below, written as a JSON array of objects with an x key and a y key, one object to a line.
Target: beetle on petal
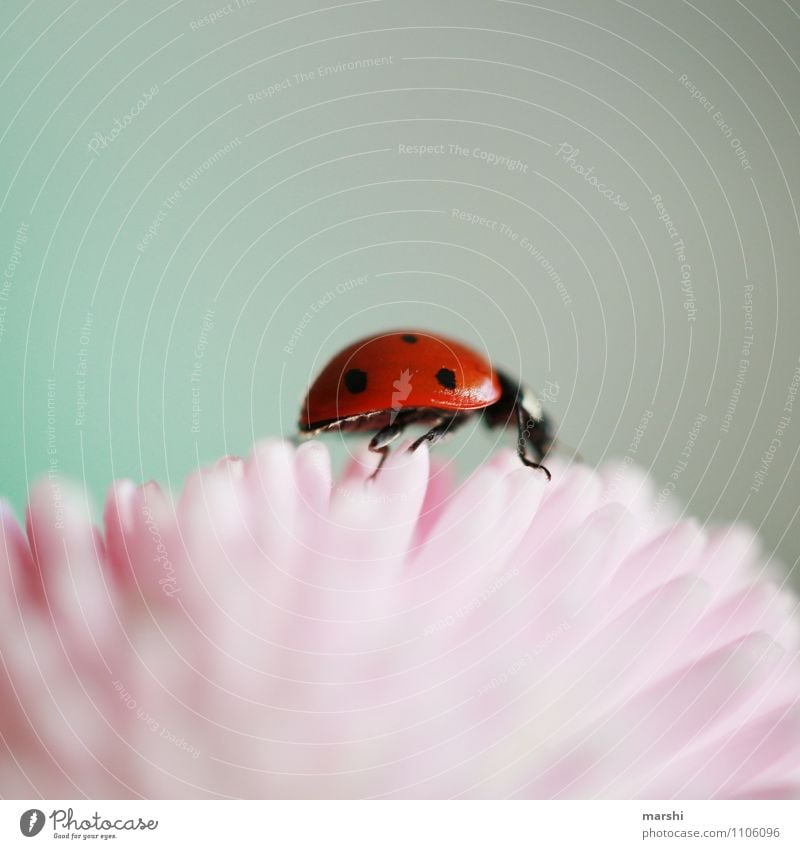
[{"x": 389, "y": 381}]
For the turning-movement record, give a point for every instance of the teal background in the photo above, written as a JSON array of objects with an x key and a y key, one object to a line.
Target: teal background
[{"x": 124, "y": 359}]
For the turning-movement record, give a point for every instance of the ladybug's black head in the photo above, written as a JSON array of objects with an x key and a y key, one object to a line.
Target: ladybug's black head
[{"x": 518, "y": 406}]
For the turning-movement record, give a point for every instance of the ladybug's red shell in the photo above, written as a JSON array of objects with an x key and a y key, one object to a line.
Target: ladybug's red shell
[{"x": 396, "y": 370}]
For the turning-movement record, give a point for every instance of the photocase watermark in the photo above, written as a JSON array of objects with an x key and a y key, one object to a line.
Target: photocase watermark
[
  {"x": 364, "y": 496},
  {"x": 317, "y": 306},
  {"x": 401, "y": 389},
  {"x": 31, "y": 822},
  {"x": 206, "y": 326},
  {"x": 569, "y": 155},
  {"x": 679, "y": 248},
  {"x": 220, "y": 153},
  {"x": 536, "y": 253},
  {"x": 525, "y": 435},
  {"x": 100, "y": 141},
  {"x": 472, "y": 605},
  {"x": 518, "y": 239},
  {"x": 549, "y": 394},
  {"x": 526, "y": 660},
  {"x": 168, "y": 582},
  {"x": 744, "y": 360},
  {"x": 490, "y": 157},
  {"x": 318, "y": 73},
  {"x": 218, "y": 14},
  {"x": 628, "y": 458},
  {"x": 785, "y": 419},
  {"x": 69, "y": 827},
  {"x": 478, "y": 220},
  {"x": 160, "y": 217},
  {"x": 760, "y": 474},
  {"x": 81, "y": 369},
  {"x": 719, "y": 120},
  {"x": 52, "y": 455},
  {"x": 172, "y": 200},
  {"x": 791, "y": 392},
  {"x": 681, "y": 464},
  {"x": 9, "y": 273},
  {"x": 152, "y": 723}
]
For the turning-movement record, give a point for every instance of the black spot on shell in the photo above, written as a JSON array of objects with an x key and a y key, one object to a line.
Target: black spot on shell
[
  {"x": 355, "y": 380},
  {"x": 447, "y": 378},
  {"x": 409, "y": 337}
]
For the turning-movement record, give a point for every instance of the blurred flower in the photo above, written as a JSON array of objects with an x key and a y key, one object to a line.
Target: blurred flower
[{"x": 273, "y": 634}]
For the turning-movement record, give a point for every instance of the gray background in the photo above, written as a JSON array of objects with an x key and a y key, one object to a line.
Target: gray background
[{"x": 108, "y": 369}]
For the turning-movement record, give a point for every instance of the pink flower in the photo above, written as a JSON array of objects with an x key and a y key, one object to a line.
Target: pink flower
[{"x": 273, "y": 634}]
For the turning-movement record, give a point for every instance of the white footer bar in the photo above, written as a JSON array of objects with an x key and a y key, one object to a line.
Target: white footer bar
[{"x": 402, "y": 824}]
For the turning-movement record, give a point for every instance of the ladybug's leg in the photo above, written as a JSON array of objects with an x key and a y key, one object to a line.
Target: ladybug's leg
[
  {"x": 443, "y": 427},
  {"x": 381, "y": 441},
  {"x": 529, "y": 430}
]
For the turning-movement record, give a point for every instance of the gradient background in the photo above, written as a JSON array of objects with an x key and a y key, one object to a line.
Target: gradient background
[{"x": 125, "y": 359}]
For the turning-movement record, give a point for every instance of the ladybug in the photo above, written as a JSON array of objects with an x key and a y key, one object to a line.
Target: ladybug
[{"x": 391, "y": 380}]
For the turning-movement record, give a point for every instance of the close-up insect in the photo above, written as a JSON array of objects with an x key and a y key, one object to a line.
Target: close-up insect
[
  {"x": 259, "y": 262},
  {"x": 392, "y": 380}
]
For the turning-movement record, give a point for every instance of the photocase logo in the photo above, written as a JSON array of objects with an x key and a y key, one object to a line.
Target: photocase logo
[
  {"x": 31, "y": 822},
  {"x": 402, "y": 389}
]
